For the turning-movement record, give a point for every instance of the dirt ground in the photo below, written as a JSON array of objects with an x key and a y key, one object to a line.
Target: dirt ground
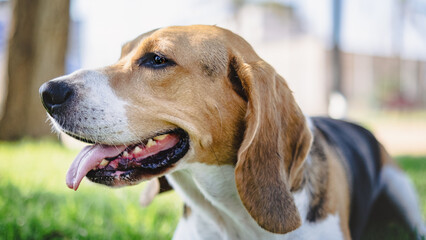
[
  {"x": 399, "y": 139},
  {"x": 401, "y": 134}
]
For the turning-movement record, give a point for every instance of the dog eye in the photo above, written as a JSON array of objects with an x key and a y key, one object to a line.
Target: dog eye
[
  {"x": 159, "y": 60},
  {"x": 154, "y": 60}
]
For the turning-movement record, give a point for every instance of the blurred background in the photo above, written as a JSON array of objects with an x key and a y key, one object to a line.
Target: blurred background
[{"x": 353, "y": 59}]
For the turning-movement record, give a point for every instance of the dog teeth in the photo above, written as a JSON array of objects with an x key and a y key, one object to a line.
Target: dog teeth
[
  {"x": 161, "y": 137},
  {"x": 137, "y": 150},
  {"x": 103, "y": 163},
  {"x": 150, "y": 143},
  {"x": 125, "y": 154}
]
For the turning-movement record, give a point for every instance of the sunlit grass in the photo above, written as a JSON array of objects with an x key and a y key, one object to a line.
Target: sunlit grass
[{"x": 36, "y": 204}]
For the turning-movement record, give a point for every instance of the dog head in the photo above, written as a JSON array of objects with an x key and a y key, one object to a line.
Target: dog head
[{"x": 186, "y": 94}]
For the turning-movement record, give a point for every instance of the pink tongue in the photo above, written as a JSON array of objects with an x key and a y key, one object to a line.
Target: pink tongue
[{"x": 87, "y": 159}]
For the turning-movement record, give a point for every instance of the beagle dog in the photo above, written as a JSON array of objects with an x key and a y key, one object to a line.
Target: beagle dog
[{"x": 198, "y": 105}]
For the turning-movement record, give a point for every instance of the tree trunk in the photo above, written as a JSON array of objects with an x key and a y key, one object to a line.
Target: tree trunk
[{"x": 37, "y": 48}]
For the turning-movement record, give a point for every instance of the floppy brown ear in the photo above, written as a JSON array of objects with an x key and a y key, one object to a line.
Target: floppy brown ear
[{"x": 275, "y": 144}]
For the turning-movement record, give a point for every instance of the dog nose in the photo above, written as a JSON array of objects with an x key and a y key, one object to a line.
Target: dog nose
[{"x": 55, "y": 95}]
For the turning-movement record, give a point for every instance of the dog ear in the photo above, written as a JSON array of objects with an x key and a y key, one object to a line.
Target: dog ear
[{"x": 276, "y": 142}]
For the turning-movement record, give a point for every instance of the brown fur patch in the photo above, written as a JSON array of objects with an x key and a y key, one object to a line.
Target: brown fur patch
[
  {"x": 337, "y": 198},
  {"x": 339, "y": 193}
]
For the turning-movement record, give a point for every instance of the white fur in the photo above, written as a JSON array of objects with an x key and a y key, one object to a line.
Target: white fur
[
  {"x": 98, "y": 113},
  {"x": 218, "y": 213},
  {"x": 402, "y": 192},
  {"x": 327, "y": 228}
]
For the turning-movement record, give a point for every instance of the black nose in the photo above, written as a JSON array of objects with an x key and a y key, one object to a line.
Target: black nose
[{"x": 55, "y": 95}]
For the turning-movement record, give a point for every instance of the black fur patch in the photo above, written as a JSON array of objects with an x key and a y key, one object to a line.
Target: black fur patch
[
  {"x": 164, "y": 184},
  {"x": 360, "y": 154},
  {"x": 235, "y": 79}
]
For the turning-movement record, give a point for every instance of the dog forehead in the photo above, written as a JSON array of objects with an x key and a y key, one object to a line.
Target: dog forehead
[
  {"x": 201, "y": 47},
  {"x": 193, "y": 34},
  {"x": 133, "y": 44},
  {"x": 196, "y": 37},
  {"x": 205, "y": 40}
]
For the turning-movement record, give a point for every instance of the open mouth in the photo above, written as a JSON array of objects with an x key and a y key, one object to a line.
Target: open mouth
[{"x": 127, "y": 165}]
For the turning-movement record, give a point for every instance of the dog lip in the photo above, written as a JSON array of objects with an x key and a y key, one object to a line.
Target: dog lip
[
  {"x": 88, "y": 140},
  {"x": 82, "y": 139},
  {"x": 146, "y": 167}
]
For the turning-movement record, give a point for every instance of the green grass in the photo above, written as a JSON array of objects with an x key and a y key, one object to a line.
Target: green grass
[{"x": 36, "y": 204}]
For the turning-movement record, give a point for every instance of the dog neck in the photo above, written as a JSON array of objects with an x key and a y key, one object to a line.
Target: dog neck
[
  {"x": 211, "y": 193},
  {"x": 212, "y": 196}
]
